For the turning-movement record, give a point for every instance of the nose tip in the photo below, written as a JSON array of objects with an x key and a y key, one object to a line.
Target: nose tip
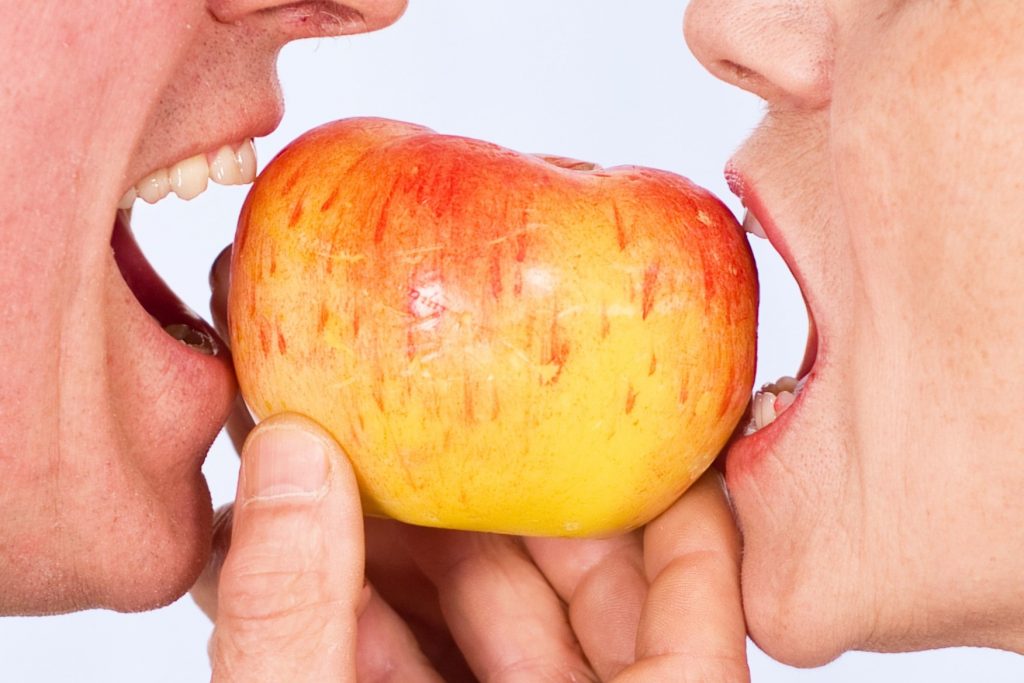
[
  {"x": 779, "y": 50},
  {"x": 378, "y": 14}
]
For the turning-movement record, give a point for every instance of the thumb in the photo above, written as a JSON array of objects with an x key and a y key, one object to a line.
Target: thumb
[{"x": 292, "y": 579}]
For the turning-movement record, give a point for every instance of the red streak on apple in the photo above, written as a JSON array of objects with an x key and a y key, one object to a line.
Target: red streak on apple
[
  {"x": 630, "y": 399},
  {"x": 650, "y": 280}
]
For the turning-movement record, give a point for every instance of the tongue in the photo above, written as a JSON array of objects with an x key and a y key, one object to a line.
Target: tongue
[{"x": 155, "y": 296}]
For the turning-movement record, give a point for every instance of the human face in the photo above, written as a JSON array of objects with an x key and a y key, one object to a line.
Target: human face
[
  {"x": 106, "y": 417},
  {"x": 882, "y": 510}
]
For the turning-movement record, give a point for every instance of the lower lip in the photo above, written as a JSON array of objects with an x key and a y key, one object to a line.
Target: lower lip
[
  {"x": 208, "y": 373},
  {"x": 744, "y": 452}
]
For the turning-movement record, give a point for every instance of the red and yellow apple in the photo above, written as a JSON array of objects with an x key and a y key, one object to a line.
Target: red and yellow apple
[{"x": 499, "y": 341}]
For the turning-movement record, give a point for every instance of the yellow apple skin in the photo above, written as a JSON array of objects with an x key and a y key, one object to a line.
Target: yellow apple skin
[{"x": 499, "y": 341}]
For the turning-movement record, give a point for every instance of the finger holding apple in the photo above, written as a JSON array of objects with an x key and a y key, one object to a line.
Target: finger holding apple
[
  {"x": 462, "y": 620},
  {"x": 400, "y": 616},
  {"x": 499, "y": 341},
  {"x": 239, "y": 422},
  {"x": 658, "y": 604}
]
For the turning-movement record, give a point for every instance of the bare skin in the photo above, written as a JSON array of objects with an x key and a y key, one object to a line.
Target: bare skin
[
  {"x": 107, "y": 418},
  {"x": 883, "y": 177},
  {"x": 652, "y": 605},
  {"x": 871, "y": 173},
  {"x": 883, "y": 512}
]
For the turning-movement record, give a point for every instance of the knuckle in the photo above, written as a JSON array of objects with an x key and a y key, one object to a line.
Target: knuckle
[
  {"x": 266, "y": 578},
  {"x": 238, "y": 655},
  {"x": 264, "y": 593},
  {"x": 541, "y": 670},
  {"x": 718, "y": 670},
  {"x": 287, "y": 638},
  {"x": 683, "y": 667}
]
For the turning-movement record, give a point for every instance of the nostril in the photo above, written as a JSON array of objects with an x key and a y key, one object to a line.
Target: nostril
[
  {"x": 740, "y": 73},
  {"x": 310, "y": 18},
  {"x": 322, "y": 17},
  {"x": 779, "y": 50},
  {"x": 746, "y": 78},
  {"x": 777, "y": 92}
]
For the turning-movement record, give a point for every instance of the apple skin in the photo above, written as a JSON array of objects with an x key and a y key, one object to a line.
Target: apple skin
[{"x": 499, "y": 341}]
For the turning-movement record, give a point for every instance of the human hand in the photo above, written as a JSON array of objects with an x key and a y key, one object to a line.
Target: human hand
[
  {"x": 285, "y": 587},
  {"x": 657, "y": 604},
  {"x": 285, "y": 584}
]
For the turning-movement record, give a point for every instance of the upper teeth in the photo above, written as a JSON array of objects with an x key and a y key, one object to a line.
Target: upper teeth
[
  {"x": 230, "y": 165},
  {"x": 753, "y": 226}
]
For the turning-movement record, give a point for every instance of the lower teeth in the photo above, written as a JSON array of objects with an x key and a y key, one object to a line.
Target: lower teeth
[
  {"x": 771, "y": 401},
  {"x": 190, "y": 336}
]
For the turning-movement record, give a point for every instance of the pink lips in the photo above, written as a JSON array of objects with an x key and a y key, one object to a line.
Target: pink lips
[
  {"x": 748, "y": 194},
  {"x": 743, "y": 451}
]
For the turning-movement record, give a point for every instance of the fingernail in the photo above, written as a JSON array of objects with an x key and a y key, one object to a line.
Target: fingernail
[{"x": 283, "y": 461}]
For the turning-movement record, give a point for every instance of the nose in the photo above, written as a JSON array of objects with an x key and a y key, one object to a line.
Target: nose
[
  {"x": 780, "y": 50},
  {"x": 291, "y": 20}
]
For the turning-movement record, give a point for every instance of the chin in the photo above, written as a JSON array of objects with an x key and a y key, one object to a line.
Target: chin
[
  {"x": 781, "y": 482},
  {"x": 168, "y": 549},
  {"x": 137, "y": 507},
  {"x": 117, "y": 542}
]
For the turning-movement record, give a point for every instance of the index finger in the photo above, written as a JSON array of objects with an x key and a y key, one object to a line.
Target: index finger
[
  {"x": 692, "y": 626},
  {"x": 239, "y": 422},
  {"x": 220, "y": 277}
]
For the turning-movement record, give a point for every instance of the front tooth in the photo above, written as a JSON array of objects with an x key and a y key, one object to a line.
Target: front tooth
[
  {"x": 782, "y": 401},
  {"x": 128, "y": 199},
  {"x": 224, "y": 169},
  {"x": 768, "y": 404},
  {"x": 155, "y": 187},
  {"x": 784, "y": 383},
  {"x": 753, "y": 226},
  {"x": 764, "y": 409},
  {"x": 245, "y": 156},
  {"x": 189, "y": 177}
]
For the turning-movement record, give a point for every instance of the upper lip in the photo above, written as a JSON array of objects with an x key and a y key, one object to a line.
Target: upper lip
[
  {"x": 168, "y": 308},
  {"x": 264, "y": 121},
  {"x": 741, "y": 185}
]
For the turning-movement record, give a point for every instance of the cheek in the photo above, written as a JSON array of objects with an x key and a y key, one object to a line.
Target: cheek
[{"x": 927, "y": 153}]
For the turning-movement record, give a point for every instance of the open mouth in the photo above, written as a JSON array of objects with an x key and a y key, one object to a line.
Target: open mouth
[
  {"x": 230, "y": 165},
  {"x": 773, "y": 399}
]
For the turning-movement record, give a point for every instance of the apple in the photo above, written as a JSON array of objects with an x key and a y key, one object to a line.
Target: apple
[{"x": 499, "y": 341}]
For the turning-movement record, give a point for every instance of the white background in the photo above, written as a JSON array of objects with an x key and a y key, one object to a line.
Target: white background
[{"x": 602, "y": 80}]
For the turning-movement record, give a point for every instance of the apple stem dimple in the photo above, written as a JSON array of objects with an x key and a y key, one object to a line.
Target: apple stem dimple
[{"x": 569, "y": 163}]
